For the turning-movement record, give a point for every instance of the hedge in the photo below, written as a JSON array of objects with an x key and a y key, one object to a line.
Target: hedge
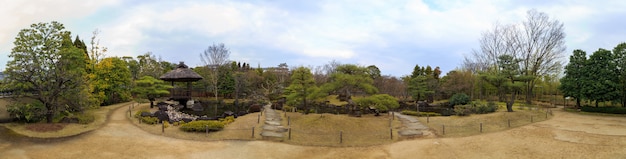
[
  {"x": 200, "y": 126},
  {"x": 607, "y": 110}
]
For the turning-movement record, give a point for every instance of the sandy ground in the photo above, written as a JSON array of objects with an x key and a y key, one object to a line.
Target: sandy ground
[{"x": 566, "y": 135}]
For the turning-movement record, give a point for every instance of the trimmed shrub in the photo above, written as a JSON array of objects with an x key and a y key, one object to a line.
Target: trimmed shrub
[
  {"x": 484, "y": 108},
  {"x": 463, "y": 110},
  {"x": 227, "y": 120},
  {"x": 414, "y": 113},
  {"x": 166, "y": 124},
  {"x": 149, "y": 120},
  {"x": 459, "y": 99},
  {"x": 200, "y": 126},
  {"x": 607, "y": 110}
]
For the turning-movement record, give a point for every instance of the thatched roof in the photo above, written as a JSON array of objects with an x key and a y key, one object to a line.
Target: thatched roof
[{"x": 182, "y": 73}]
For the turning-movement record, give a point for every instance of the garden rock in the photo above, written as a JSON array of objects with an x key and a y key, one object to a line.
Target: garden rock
[{"x": 147, "y": 114}]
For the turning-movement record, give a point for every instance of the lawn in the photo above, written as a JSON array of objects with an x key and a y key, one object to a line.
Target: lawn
[
  {"x": 460, "y": 126},
  {"x": 340, "y": 130}
]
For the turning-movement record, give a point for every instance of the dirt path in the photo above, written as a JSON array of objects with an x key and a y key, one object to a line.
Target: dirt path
[{"x": 567, "y": 135}]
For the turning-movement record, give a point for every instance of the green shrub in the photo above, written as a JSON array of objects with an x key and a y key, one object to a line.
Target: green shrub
[
  {"x": 149, "y": 120},
  {"x": 27, "y": 112},
  {"x": 463, "y": 110},
  {"x": 166, "y": 124},
  {"x": 200, "y": 126},
  {"x": 459, "y": 99},
  {"x": 85, "y": 118},
  {"x": 607, "y": 110},
  {"x": 484, "y": 108},
  {"x": 227, "y": 120},
  {"x": 414, "y": 113}
]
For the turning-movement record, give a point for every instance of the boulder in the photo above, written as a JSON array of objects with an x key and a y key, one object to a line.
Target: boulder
[
  {"x": 197, "y": 107},
  {"x": 228, "y": 113},
  {"x": 186, "y": 120},
  {"x": 162, "y": 115},
  {"x": 147, "y": 114},
  {"x": 255, "y": 108}
]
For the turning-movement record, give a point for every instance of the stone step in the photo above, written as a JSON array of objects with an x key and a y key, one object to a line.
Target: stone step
[
  {"x": 279, "y": 129},
  {"x": 271, "y": 134}
]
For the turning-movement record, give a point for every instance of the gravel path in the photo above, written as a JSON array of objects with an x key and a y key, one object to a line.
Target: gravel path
[{"x": 566, "y": 135}]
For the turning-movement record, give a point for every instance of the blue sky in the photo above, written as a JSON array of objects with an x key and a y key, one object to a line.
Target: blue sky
[{"x": 391, "y": 34}]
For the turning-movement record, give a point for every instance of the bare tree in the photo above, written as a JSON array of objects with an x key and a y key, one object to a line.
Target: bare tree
[
  {"x": 539, "y": 44},
  {"x": 213, "y": 58},
  {"x": 96, "y": 52}
]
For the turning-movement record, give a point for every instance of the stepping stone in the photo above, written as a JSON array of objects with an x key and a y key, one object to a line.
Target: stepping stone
[
  {"x": 271, "y": 134},
  {"x": 409, "y": 132},
  {"x": 274, "y": 128},
  {"x": 274, "y": 123}
]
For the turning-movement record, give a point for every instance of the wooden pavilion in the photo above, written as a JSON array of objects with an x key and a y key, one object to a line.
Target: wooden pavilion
[{"x": 182, "y": 73}]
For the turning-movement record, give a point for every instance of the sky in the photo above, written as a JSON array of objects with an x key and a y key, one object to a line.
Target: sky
[{"x": 394, "y": 35}]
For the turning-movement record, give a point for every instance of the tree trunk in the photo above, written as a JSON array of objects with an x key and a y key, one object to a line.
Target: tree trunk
[
  {"x": 509, "y": 105},
  {"x": 577, "y": 103},
  {"x": 529, "y": 92},
  {"x": 49, "y": 114}
]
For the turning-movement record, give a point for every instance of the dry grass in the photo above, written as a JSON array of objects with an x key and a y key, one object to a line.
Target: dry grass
[
  {"x": 460, "y": 126},
  {"x": 69, "y": 129},
  {"x": 324, "y": 129},
  {"x": 241, "y": 129}
]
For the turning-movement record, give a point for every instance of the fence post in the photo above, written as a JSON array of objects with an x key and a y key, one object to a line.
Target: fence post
[
  {"x": 289, "y": 133},
  {"x": 341, "y": 136},
  {"x": 206, "y": 128},
  {"x": 253, "y": 132},
  {"x": 509, "y": 120},
  {"x": 427, "y": 118},
  {"x": 393, "y": 115},
  {"x": 130, "y": 112},
  {"x": 443, "y": 129},
  {"x": 162, "y": 127},
  {"x": 481, "y": 127},
  {"x": 258, "y": 119},
  {"x": 390, "y": 133}
]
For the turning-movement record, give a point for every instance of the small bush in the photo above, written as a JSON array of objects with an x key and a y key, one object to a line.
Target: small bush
[
  {"x": 607, "y": 110},
  {"x": 149, "y": 120},
  {"x": 484, "y": 108},
  {"x": 463, "y": 110},
  {"x": 27, "y": 112},
  {"x": 85, "y": 118},
  {"x": 200, "y": 126},
  {"x": 227, "y": 120},
  {"x": 459, "y": 99},
  {"x": 414, "y": 113},
  {"x": 166, "y": 124}
]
